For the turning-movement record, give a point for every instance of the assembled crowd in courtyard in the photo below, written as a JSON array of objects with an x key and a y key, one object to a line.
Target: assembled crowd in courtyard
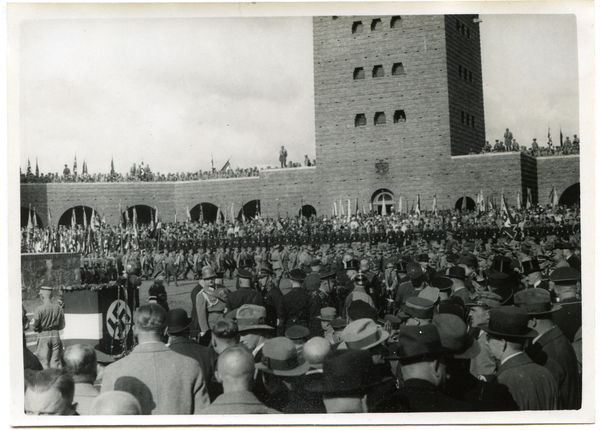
[{"x": 447, "y": 312}]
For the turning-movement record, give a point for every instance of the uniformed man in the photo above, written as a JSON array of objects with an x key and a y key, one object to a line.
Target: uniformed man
[
  {"x": 320, "y": 299},
  {"x": 567, "y": 285},
  {"x": 211, "y": 303},
  {"x": 244, "y": 294},
  {"x": 158, "y": 294},
  {"x": 48, "y": 320},
  {"x": 271, "y": 295},
  {"x": 295, "y": 305},
  {"x": 312, "y": 280}
]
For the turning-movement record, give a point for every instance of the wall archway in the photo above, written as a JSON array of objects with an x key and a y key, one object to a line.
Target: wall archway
[
  {"x": 380, "y": 198},
  {"x": 80, "y": 212},
  {"x": 250, "y": 210},
  {"x": 145, "y": 214},
  {"x": 308, "y": 211},
  {"x": 571, "y": 195},
  {"x": 25, "y": 217},
  {"x": 470, "y": 203},
  {"x": 209, "y": 212}
]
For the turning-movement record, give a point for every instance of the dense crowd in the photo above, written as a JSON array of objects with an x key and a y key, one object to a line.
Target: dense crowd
[
  {"x": 510, "y": 144},
  {"x": 448, "y": 312}
]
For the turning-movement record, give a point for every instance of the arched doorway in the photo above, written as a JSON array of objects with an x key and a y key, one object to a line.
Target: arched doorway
[
  {"x": 382, "y": 198},
  {"x": 35, "y": 218},
  {"x": 145, "y": 214},
  {"x": 80, "y": 212},
  {"x": 571, "y": 196},
  {"x": 251, "y": 210},
  {"x": 209, "y": 212},
  {"x": 470, "y": 204},
  {"x": 308, "y": 211}
]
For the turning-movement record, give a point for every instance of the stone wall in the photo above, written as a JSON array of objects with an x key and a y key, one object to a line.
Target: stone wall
[
  {"x": 557, "y": 171},
  {"x": 50, "y": 270}
]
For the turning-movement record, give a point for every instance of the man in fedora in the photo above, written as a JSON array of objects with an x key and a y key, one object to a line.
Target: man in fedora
[
  {"x": 295, "y": 305},
  {"x": 244, "y": 294},
  {"x": 323, "y": 319},
  {"x": 312, "y": 280},
  {"x": 532, "y": 386},
  {"x": 211, "y": 303},
  {"x": 235, "y": 371},
  {"x": 484, "y": 365},
  {"x": 346, "y": 381},
  {"x": 252, "y": 327},
  {"x": 48, "y": 320},
  {"x": 280, "y": 367},
  {"x": 365, "y": 334},
  {"x": 423, "y": 367},
  {"x": 550, "y": 348},
  {"x": 178, "y": 329},
  {"x": 567, "y": 285},
  {"x": 460, "y": 384}
]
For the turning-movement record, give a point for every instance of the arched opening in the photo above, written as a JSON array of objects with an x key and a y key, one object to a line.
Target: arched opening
[
  {"x": 470, "y": 204},
  {"x": 80, "y": 212},
  {"x": 308, "y": 211},
  {"x": 250, "y": 209},
  {"x": 571, "y": 196},
  {"x": 382, "y": 200},
  {"x": 145, "y": 214},
  {"x": 35, "y": 218},
  {"x": 209, "y": 212}
]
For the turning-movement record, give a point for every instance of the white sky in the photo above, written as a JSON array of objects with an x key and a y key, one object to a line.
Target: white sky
[{"x": 173, "y": 92}]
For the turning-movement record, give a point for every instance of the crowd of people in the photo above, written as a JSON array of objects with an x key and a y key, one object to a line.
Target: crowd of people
[
  {"x": 508, "y": 144},
  {"x": 401, "y": 313}
]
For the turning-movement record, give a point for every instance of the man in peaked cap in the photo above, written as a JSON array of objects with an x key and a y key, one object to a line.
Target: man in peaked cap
[
  {"x": 460, "y": 384},
  {"x": 245, "y": 294},
  {"x": 416, "y": 311},
  {"x": 532, "y": 386},
  {"x": 295, "y": 305},
  {"x": 423, "y": 366},
  {"x": 567, "y": 285},
  {"x": 550, "y": 348},
  {"x": 48, "y": 320},
  {"x": 271, "y": 295},
  {"x": 484, "y": 365},
  {"x": 211, "y": 303}
]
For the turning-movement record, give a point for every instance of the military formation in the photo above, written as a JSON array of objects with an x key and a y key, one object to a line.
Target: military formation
[{"x": 439, "y": 323}]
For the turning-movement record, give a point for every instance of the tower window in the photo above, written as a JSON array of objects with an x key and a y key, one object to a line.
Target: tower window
[
  {"x": 399, "y": 116},
  {"x": 376, "y": 24},
  {"x": 360, "y": 120},
  {"x": 378, "y": 72},
  {"x": 396, "y": 21},
  {"x": 379, "y": 118},
  {"x": 357, "y": 27},
  {"x": 397, "y": 69},
  {"x": 359, "y": 73}
]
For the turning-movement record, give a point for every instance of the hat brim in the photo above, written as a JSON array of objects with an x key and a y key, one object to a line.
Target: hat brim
[
  {"x": 555, "y": 307},
  {"x": 325, "y": 319},
  {"x": 471, "y": 352},
  {"x": 531, "y": 333},
  {"x": 178, "y": 329},
  {"x": 384, "y": 336},
  {"x": 298, "y": 371},
  {"x": 254, "y": 327}
]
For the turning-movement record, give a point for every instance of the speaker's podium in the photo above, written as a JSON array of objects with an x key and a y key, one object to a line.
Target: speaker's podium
[{"x": 101, "y": 316}]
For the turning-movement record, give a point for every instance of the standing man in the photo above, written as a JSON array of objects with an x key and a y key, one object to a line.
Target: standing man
[
  {"x": 295, "y": 305},
  {"x": 48, "y": 319},
  {"x": 245, "y": 294},
  {"x": 508, "y": 138},
  {"x": 178, "y": 388},
  {"x": 211, "y": 302},
  {"x": 283, "y": 156}
]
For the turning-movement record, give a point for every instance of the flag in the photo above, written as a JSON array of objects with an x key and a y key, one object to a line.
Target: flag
[
  {"x": 561, "y": 137},
  {"x": 370, "y": 206},
  {"x": 549, "y": 138},
  {"x": 341, "y": 207},
  {"x": 201, "y": 215},
  {"x": 349, "y": 210},
  {"x": 257, "y": 208},
  {"x": 519, "y": 203},
  {"x": 112, "y": 166},
  {"x": 233, "y": 213},
  {"x": 400, "y": 201},
  {"x": 187, "y": 214},
  {"x": 37, "y": 169},
  {"x": 434, "y": 206},
  {"x": 28, "y": 167},
  {"x": 212, "y": 162},
  {"x": 29, "y": 221},
  {"x": 383, "y": 208},
  {"x": 503, "y": 207},
  {"x": 554, "y": 198},
  {"x": 218, "y": 221},
  {"x": 49, "y": 217},
  {"x": 335, "y": 212},
  {"x": 463, "y": 206},
  {"x": 127, "y": 216},
  {"x": 84, "y": 218},
  {"x": 242, "y": 214},
  {"x": 75, "y": 166},
  {"x": 418, "y": 207},
  {"x": 529, "y": 199},
  {"x": 363, "y": 209},
  {"x": 73, "y": 219},
  {"x": 92, "y": 223},
  {"x": 34, "y": 219},
  {"x": 84, "y": 168},
  {"x": 175, "y": 215},
  {"x": 224, "y": 168},
  {"x": 356, "y": 207}
]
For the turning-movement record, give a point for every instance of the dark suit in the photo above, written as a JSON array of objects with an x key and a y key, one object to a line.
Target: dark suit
[
  {"x": 555, "y": 346},
  {"x": 294, "y": 310},
  {"x": 164, "y": 381},
  {"x": 243, "y": 296},
  {"x": 532, "y": 386},
  {"x": 418, "y": 395},
  {"x": 568, "y": 318},
  {"x": 312, "y": 282},
  {"x": 272, "y": 301},
  {"x": 195, "y": 327}
]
